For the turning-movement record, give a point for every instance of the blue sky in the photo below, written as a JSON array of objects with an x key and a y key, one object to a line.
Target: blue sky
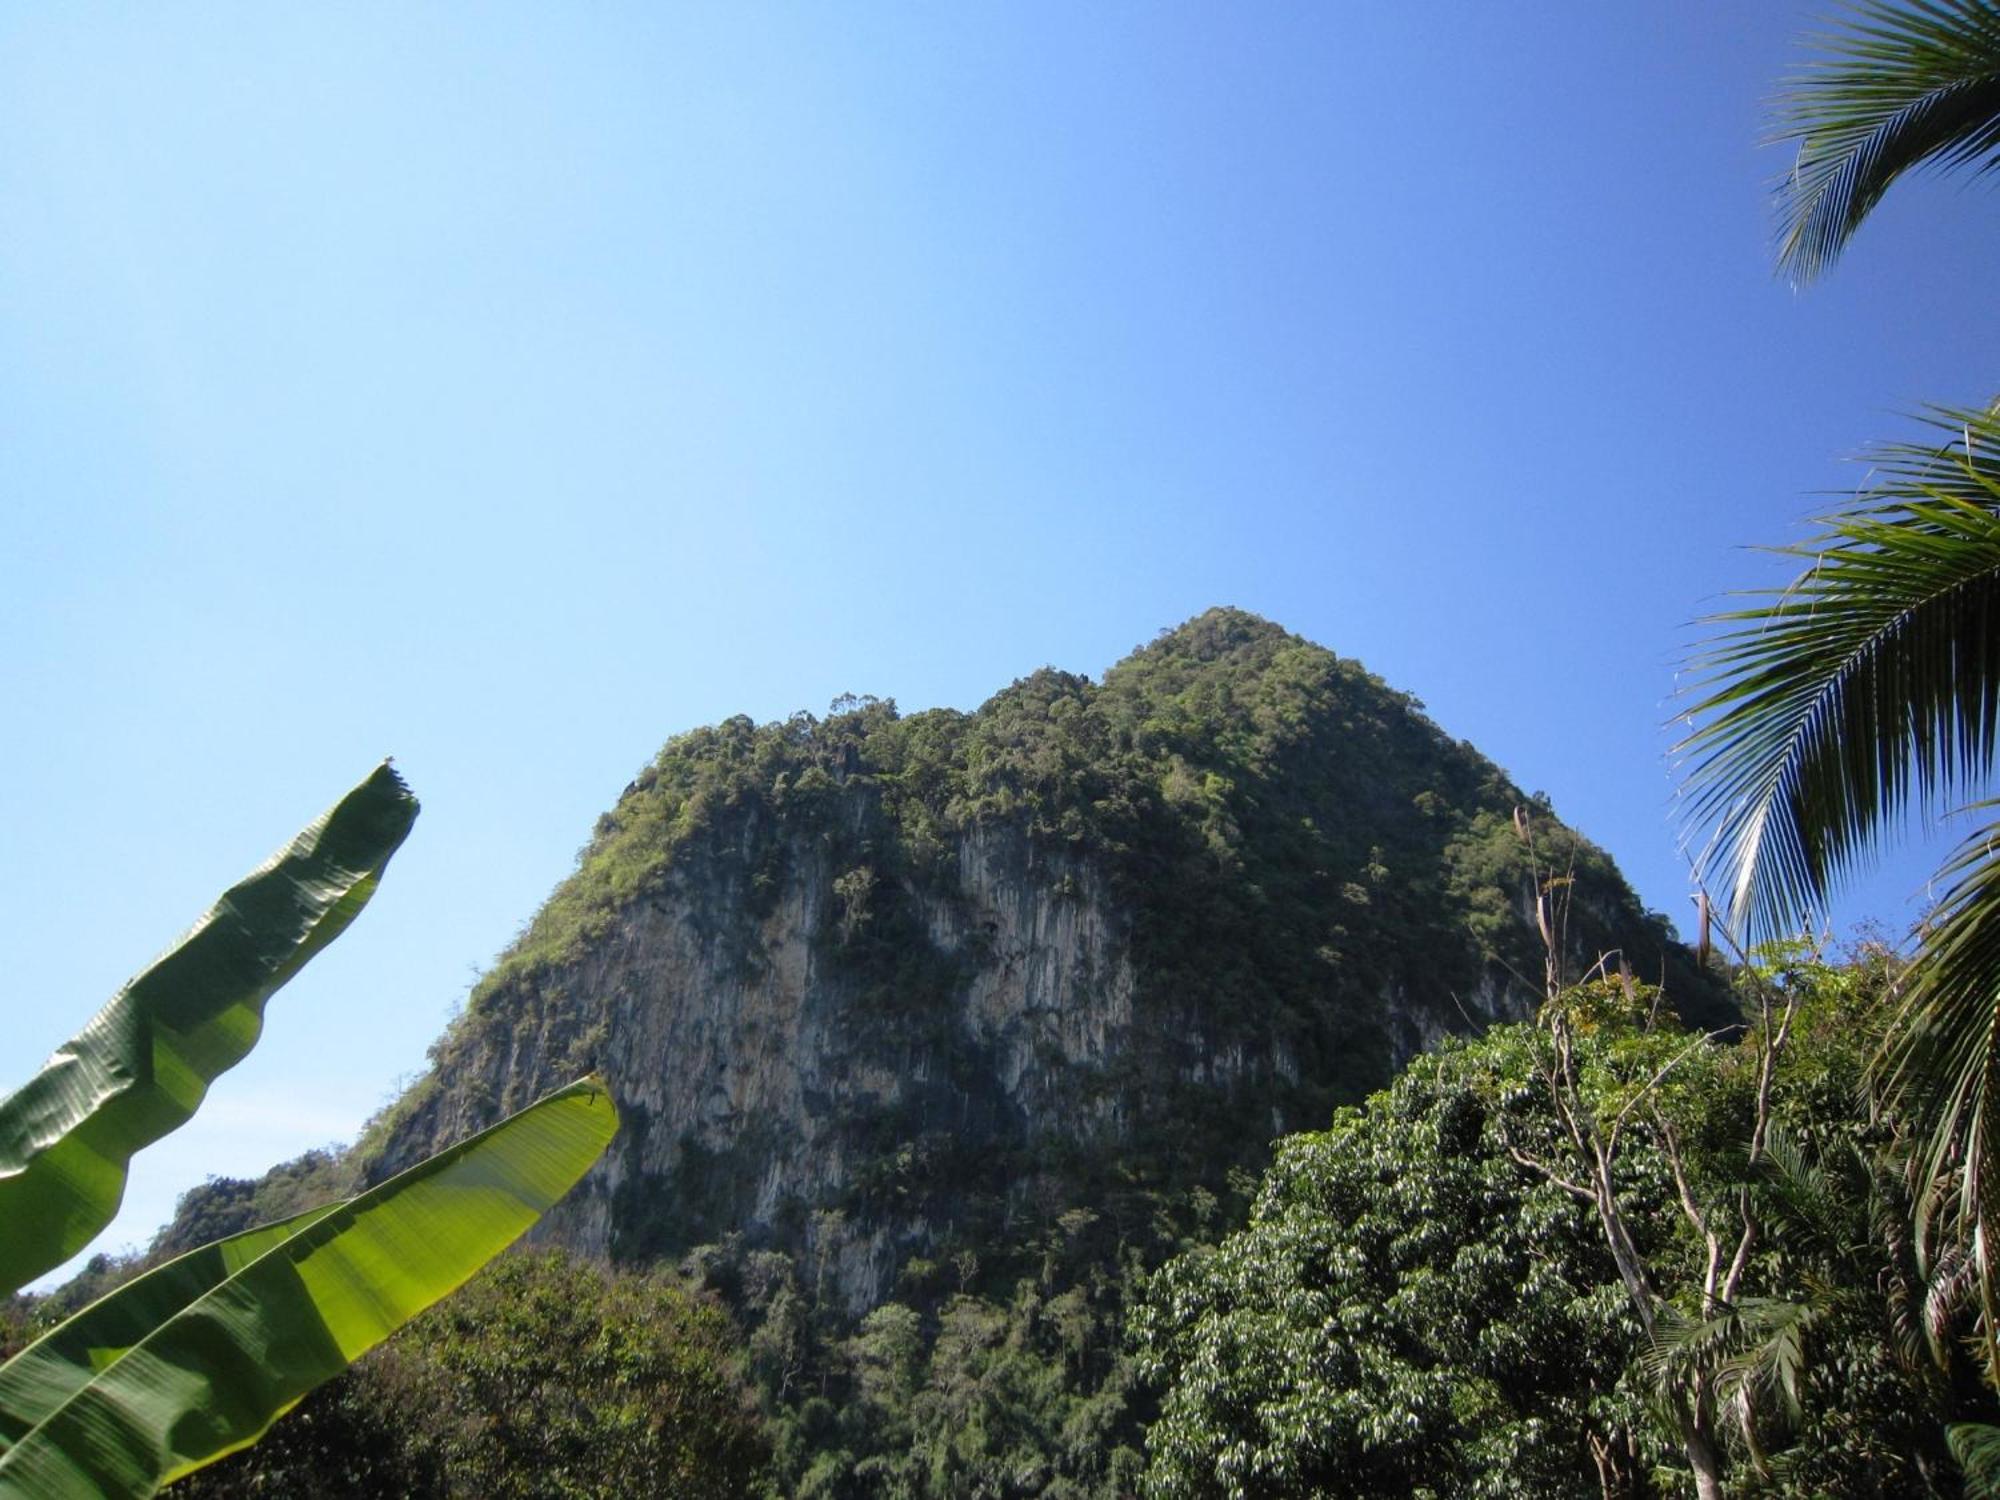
[{"x": 510, "y": 387}]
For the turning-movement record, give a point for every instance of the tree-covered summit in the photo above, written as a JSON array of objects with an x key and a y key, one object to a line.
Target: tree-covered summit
[
  {"x": 1278, "y": 821},
  {"x": 1294, "y": 879},
  {"x": 933, "y": 1033}
]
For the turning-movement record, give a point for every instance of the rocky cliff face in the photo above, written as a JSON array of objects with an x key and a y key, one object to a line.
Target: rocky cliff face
[{"x": 879, "y": 990}]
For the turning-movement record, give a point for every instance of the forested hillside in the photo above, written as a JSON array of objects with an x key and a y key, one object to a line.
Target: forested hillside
[
  {"x": 1189, "y": 1072},
  {"x": 934, "y": 1033}
]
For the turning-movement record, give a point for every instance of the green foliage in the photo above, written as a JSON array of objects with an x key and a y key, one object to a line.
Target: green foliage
[
  {"x": 1900, "y": 87},
  {"x": 1826, "y": 707},
  {"x": 1849, "y": 1395},
  {"x": 1231, "y": 779},
  {"x": 973, "y": 1381},
  {"x": 1826, "y": 711},
  {"x": 1976, "y": 1446},
  {"x": 954, "y": 1393},
  {"x": 143, "y": 1064},
  {"x": 225, "y": 1206},
  {"x": 168, "y": 1368},
  {"x": 1872, "y": 678},
  {"x": 1409, "y": 1311},
  {"x": 199, "y": 1356},
  {"x": 1419, "y": 1305},
  {"x": 1292, "y": 849},
  {"x": 546, "y": 1376},
  {"x": 1308, "y": 876}
]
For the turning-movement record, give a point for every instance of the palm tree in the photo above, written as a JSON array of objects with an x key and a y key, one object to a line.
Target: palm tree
[{"x": 1826, "y": 711}]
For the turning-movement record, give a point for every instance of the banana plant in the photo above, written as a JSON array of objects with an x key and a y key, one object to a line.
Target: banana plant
[
  {"x": 195, "y": 1359},
  {"x": 143, "y": 1064},
  {"x": 199, "y": 1356}
]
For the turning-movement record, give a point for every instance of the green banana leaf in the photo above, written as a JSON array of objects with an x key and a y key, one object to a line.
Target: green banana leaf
[
  {"x": 213, "y": 1376},
  {"x": 60, "y": 1363},
  {"x": 144, "y": 1062}
]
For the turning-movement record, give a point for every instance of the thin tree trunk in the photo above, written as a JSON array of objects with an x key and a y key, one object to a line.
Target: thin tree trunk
[{"x": 1704, "y": 1459}]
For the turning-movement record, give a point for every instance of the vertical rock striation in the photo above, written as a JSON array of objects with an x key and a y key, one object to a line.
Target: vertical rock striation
[{"x": 875, "y": 988}]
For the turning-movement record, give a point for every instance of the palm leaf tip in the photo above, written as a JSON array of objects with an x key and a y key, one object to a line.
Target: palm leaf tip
[{"x": 1903, "y": 86}]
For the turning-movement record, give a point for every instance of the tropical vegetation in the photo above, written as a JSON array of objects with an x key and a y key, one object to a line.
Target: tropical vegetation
[
  {"x": 544, "y": 1375},
  {"x": 1294, "y": 862},
  {"x": 196, "y": 1357},
  {"x": 1424, "y": 1300},
  {"x": 1604, "y": 1252},
  {"x": 1826, "y": 710}
]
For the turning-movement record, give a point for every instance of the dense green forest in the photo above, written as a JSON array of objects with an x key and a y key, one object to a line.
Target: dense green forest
[
  {"x": 1419, "y": 1300},
  {"x": 1426, "y": 1297},
  {"x": 1424, "y": 1302},
  {"x": 1280, "y": 822},
  {"x": 1423, "y": 1297},
  {"x": 1304, "y": 872},
  {"x": 1292, "y": 853},
  {"x": 1288, "y": 840}
]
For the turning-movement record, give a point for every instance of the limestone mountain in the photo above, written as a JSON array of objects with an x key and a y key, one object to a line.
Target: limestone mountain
[{"x": 884, "y": 992}]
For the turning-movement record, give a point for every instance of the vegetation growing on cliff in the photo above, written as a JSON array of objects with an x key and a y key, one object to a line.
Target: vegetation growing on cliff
[
  {"x": 1306, "y": 868},
  {"x": 1240, "y": 782},
  {"x": 1288, "y": 838}
]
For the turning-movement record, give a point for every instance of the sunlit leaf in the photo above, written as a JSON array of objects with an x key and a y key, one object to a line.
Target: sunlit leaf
[
  {"x": 58, "y": 1365},
  {"x": 144, "y": 1063},
  {"x": 215, "y": 1374}
]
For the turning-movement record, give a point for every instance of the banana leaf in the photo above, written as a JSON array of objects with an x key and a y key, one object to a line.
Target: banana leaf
[
  {"x": 60, "y": 1363},
  {"x": 144, "y": 1063},
  {"x": 214, "y": 1375}
]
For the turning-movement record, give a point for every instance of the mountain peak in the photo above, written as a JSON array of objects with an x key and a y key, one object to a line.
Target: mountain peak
[
  {"x": 1219, "y": 632},
  {"x": 927, "y": 972}
]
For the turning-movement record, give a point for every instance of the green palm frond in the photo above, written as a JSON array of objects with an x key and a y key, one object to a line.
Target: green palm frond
[
  {"x": 1953, "y": 1287},
  {"x": 1976, "y": 1447},
  {"x": 1871, "y": 679},
  {"x": 1814, "y": 1199},
  {"x": 1773, "y": 1361},
  {"x": 1754, "y": 1350},
  {"x": 1902, "y": 86},
  {"x": 1942, "y": 1064},
  {"x": 1904, "y": 1273}
]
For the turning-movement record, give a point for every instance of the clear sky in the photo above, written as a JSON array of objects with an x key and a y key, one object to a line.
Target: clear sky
[{"x": 510, "y": 387}]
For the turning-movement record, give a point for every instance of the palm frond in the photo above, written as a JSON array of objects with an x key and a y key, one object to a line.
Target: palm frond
[
  {"x": 1873, "y": 678},
  {"x": 1891, "y": 1217},
  {"x": 1942, "y": 1063},
  {"x": 1976, "y": 1447},
  {"x": 1903, "y": 86},
  {"x": 1753, "y": 1348},
  {"x": 1952, "y": 1289},
  {"x": 1775, "y": 1360},
  {"x": 1804, "y": 1194}
]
